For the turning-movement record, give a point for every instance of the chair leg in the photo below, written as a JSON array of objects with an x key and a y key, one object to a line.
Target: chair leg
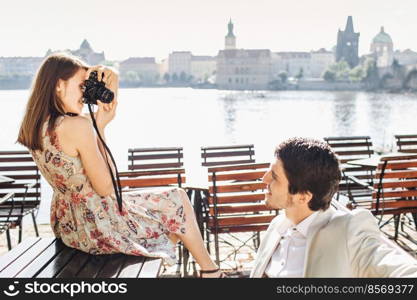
[
  {"x": 415, "y": 219},
  {"x": 396, "y": 223},
  {"x": 208, "y": 241},
  {"x": 216, "y": 246},
  {"x": 20, "y": 230},
  {"x": 9, "y": 241},
  {"x": 180, "y": 252},
  {"x": 34, "y": 223},
  {"x": 186, "y": 256}
]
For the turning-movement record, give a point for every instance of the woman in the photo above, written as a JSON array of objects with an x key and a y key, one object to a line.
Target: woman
[{"x": 84, "y": 212}]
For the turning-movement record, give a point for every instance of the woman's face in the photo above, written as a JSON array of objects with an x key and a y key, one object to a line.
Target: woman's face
[{"x": 71, "y": 92}]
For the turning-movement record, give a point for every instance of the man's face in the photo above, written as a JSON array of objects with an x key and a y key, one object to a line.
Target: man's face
[{"x": 277, "y": 195}]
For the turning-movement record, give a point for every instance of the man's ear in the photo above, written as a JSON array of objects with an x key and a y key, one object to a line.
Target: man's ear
[{"x": 305, "y": 197}]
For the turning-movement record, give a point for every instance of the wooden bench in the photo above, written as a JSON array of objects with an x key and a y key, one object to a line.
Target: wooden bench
[{"x": 50, "y": 258}]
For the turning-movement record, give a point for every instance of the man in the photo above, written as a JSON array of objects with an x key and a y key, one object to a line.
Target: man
[{"x": 312, "y": 239}]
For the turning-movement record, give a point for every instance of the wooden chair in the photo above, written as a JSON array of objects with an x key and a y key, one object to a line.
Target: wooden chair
[
  {"x": 157, "y": 178},
  {"x": 26, "y": 187},
  {"x": 406, "y": 143},
  {"x": 227, "y": 155},
  {"x": 5, "y": 222},
  {"x": 394, "y": 191},
  {"x": 155, "y": 158},
  {"x": 350, "y": 148},
  {"x": 235, "y": 203}
]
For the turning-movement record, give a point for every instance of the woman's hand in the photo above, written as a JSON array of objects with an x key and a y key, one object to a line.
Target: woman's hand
[{"x": 106, "y": 111}]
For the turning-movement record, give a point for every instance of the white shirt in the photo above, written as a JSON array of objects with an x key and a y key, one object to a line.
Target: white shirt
[{"x": 288, "y": 258}]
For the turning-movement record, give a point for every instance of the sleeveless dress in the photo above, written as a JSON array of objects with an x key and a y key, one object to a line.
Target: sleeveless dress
[{"x": 86, "y": 221}]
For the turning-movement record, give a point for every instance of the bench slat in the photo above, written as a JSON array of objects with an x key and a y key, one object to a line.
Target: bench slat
[
  {"x": 57, "y": 264},
  {"x": 132, "y": 267},
  {"x": 37, "y": 265},
  {"x": 11, "y": 256},
  {"x": 150, "y": 268},
  {"x": 72, "y": 268},
  {"x": 26, "y": 258},
  {"x": 112, "y": 267},
  {"x": 92, "y": 267}
]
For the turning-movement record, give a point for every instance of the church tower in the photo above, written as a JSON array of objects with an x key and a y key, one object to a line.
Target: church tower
[
  {"x": 230, "y": 39},
  {"x": 348, "y": 44}
]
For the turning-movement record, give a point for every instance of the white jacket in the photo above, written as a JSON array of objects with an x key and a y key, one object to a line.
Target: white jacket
[{"x": 341, "y": 244}]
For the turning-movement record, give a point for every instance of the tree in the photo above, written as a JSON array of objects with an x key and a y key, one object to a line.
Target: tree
[
  {"x": 329, "y": 76},
  {"x": 167, "y": 78},
  {"x": 183, "y": 77},
  {"x": 371, "y": 74},
  {"x": 175, "y": 77},
  {"x": 300, "y": 74},
  {"x": 357, "y": 74},
  {"x": 340, "y": 69},
  {"x": 283, "y": 76}
]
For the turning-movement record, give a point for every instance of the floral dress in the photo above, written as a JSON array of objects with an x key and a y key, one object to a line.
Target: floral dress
[{"x": 86, "y": 221}]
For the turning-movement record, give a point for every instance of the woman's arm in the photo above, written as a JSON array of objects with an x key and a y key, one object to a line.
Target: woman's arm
[{"x": 79, "y": 131}]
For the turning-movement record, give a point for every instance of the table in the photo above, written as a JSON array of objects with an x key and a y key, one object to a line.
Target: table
[
  {"x": 373, "y": 161},
  {"x": 50, "y": 258}
]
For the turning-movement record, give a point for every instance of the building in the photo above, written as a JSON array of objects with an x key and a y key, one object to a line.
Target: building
[
  {"x": 241, "y": 69},
  {"x": 143, "y": 69},
  {"x": 230, "y": 39},
  {"x": 202, "y": 68},
  {"x": 179, "y": 62},
  {"x": 320, "y": 61},
  {"x": 86, "y": 53},
  {"x": 406, "y": 57},
  {"x": 22, "y": 66},
  {"x": 301, "y": 64},
  {"x": 347, "y": 44},
  {"x": 292, "y": 63},
  {"x": 382, "y": 49}
]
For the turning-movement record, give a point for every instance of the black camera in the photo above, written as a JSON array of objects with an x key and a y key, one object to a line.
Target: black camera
[{"x": 96, "y": 90}]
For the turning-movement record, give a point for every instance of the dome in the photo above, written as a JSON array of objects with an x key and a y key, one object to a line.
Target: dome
[{"x": 382, "y": 37}]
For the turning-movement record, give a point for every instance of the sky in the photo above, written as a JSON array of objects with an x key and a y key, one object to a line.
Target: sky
[{"x": 128, "y": 28}]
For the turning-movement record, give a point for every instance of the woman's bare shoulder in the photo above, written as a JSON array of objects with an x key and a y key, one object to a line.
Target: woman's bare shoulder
[{"x": 77, "y": 126}]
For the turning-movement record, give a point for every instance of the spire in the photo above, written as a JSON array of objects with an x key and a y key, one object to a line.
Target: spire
[
  {"x": 230, "y": 27},
  {"x": 349, "y": 25},
  {"x": 382, "y": 29},
  {"x": 85, "y": 45}
]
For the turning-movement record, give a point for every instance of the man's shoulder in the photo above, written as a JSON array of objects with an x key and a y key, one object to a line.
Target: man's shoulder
[{"x": 347, "y": 218}]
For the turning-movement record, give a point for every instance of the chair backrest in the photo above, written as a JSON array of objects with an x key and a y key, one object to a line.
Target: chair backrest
[
  {"x": 20, "y": 166},
  {"x": 227, "y": 155},
  {"x": 152, "y": 178},
  {"x": 395, "y": 185},
  {"x": 235, "y": 202},
  {"x": 350, "y": 148},
  {"x": 155, "y": 158},
  {"x": 406, "y": 143}
]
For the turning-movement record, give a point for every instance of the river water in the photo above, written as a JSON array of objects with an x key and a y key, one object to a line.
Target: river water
[{"x": 154, "y": 117}]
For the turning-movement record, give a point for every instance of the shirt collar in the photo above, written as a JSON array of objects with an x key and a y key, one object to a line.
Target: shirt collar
[{"x": 304, "y": 225}]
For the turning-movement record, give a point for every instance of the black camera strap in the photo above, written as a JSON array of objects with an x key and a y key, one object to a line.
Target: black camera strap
[{"x": 115, "y": 181}]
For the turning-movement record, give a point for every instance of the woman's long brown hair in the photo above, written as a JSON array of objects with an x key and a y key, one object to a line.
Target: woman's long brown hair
[{"x": 43, "y": 100}]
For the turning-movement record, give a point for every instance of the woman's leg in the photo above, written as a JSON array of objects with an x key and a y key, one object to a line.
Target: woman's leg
[{"x": 192, "y": 238}]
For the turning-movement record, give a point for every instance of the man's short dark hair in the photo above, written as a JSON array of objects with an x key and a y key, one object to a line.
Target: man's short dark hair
[{"x": 310, "y": 165}]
